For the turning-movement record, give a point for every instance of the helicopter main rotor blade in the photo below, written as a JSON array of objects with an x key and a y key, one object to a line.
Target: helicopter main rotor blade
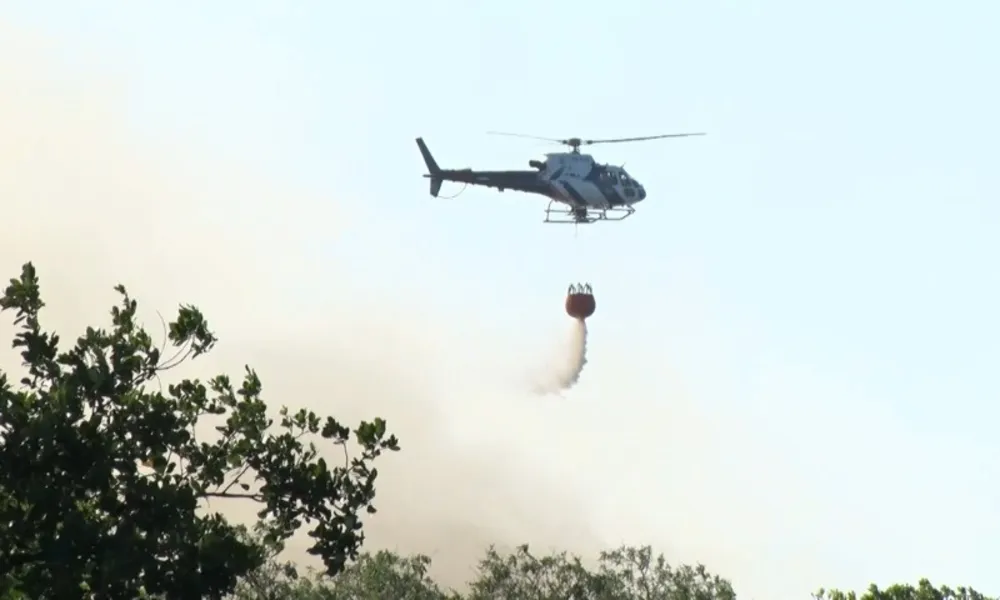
[
  {"x": 639, "y": 139},
  {"x": 530, "y": 137},
  {"x": 577, "y": 142}
]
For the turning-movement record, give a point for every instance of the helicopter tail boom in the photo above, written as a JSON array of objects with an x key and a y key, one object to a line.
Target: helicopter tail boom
[
  {"x": 434, "y": 171},
  {"x": 522, "y": 181}
]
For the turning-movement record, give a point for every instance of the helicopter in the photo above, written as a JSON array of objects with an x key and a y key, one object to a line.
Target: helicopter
[{"x": 580, "y": 190}]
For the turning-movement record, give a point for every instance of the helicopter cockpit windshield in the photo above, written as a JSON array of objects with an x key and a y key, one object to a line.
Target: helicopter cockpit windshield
[
  {"x": 608, "y": 174},
  {"x": 618, "y": 177}
]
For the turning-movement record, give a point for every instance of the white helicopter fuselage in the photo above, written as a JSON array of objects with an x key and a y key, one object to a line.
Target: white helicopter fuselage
[{"x": 579, "y": 181}]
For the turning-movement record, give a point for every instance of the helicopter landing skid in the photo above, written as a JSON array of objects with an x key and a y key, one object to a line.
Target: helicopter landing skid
[{"x": 557, "y": 213}]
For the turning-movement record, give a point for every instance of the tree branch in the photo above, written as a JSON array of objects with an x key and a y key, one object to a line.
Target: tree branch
[
  {"x": 236, "y": 479},
  {"x": 248, "y": 495}
]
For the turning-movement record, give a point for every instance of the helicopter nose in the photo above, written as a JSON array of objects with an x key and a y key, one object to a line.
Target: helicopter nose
[{"x": 641, "y": 192}]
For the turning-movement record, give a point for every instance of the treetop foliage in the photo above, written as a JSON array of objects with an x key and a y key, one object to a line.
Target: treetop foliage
[
  {"x": 924, "y": 590},
  {"x": 105, "y": 478},
  {"x": 624, "y": 573}
]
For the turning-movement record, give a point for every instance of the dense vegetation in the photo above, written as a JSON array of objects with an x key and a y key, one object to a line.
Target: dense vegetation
[{"x": 105, "y": 479}]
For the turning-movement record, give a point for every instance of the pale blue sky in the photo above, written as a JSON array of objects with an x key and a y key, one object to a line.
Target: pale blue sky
[{"x": 831, "y": 234}]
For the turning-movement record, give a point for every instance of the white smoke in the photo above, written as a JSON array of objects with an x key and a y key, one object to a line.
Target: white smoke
[
  {"x": 565, "y": 373},
  {"x": 92, "y": 205}
]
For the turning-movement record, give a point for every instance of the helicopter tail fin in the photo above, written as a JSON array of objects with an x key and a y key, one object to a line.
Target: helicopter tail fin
[{"x": 434, "y": 171}]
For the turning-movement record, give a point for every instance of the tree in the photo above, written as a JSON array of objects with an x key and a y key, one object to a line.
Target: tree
[
  {"x": 923, "y": 591},
  {"x": 372, "y": 577},
  {"x": 274, "y": 579},
  {"x": 104, "y": 476},
  {"x": 375, "y": 576},
  {"x": 626, "y": 573}
]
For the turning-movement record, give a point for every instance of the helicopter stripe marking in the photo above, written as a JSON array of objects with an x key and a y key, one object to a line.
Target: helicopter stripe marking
[
  {"x": 574, "y": 194},
  {"x": 609, "y": 192},
  {"x": 613, "y": 197}
]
